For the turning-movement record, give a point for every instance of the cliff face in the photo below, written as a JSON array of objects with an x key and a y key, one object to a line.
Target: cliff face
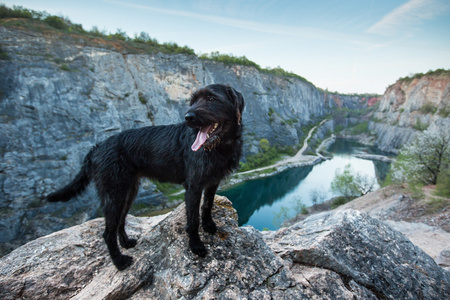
[
  {"x": 333, "y": 255},
  {"x": 409, "y": 106},
  {"x": 60, "y": 97}
]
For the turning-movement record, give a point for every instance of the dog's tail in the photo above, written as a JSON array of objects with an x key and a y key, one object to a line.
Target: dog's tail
[{"x": 78, "y": 184}]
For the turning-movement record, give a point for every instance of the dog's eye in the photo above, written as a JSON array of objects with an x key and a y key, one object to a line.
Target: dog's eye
[{"x": 210, "y": 99}]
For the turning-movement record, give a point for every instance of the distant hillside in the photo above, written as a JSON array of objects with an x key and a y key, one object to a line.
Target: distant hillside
[{"x": 411, "y": 105}]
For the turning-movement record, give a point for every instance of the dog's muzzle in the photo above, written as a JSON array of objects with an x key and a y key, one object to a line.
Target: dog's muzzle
[{"x": 189, "y": 117}]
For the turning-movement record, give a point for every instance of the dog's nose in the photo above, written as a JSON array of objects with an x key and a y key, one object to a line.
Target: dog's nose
[{"x": 189, "y": 117}]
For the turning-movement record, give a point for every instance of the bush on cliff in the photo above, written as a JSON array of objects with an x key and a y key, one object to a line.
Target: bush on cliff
[{"x": 424, "y": 160}]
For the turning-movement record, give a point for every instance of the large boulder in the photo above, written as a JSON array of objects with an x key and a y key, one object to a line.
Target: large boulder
[{"x": 338, "y": 255}]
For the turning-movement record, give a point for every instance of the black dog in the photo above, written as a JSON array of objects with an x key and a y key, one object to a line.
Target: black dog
[{"x": 169, "y": 154}]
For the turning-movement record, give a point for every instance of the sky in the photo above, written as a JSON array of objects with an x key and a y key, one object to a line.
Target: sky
[{"x": 348, "y": 46}]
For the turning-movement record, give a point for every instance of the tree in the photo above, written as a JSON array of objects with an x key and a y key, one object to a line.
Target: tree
[
  {"x": 350, "y": 184},
  {"x": 424, "y": 159},
  {"x": 317, "y": 195}
]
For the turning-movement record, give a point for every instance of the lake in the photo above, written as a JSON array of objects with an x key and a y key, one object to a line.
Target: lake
[{"x": 259, "y": 201}]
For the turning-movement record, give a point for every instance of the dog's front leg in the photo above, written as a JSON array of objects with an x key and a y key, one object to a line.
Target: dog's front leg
[
  {"x": 192, "y": 199},
  {"x": 208, "y": 201}
]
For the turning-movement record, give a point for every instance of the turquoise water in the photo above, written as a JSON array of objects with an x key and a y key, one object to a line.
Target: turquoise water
[{"x": 259, "y": 201}]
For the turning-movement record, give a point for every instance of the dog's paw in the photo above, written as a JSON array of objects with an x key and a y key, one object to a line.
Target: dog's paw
[
  {"x": 128, "y": 243},
  {"x": 209, "y": 227},
  {"x": 198, "y": 248},
  {"x": 122, "y": 262}
]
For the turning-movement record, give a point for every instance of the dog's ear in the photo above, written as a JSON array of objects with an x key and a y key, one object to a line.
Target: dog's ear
[{"x": 238, "y": 101}]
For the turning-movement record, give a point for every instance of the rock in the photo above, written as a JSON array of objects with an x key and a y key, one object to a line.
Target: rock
[
  {"x": 431, "y": 239},
  {"x": 375, "y": 157},
  {"x": 409, "y": 106},
  {"x": 363, "y": 252},
  {"x": 59, "y": 98},
  {"x": 443, "y": 259},
  {"x": 342, "y": 255}
]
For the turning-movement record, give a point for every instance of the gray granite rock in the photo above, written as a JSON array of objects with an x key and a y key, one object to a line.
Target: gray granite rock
[{"x": 340, "y": 255}]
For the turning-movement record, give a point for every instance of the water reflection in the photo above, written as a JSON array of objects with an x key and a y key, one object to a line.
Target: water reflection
[
  {"x": 250, "y": 196},
  {"x": 258, "y": 201}
]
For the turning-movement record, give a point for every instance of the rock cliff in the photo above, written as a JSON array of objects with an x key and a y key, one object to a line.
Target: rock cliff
[
  {"x": 333, "y": 255},
  {"x": 59, "y": 96},
  {"x": 410, "y": 106}
]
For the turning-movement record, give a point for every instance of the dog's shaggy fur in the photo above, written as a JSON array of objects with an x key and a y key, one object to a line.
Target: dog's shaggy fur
[{"x": 169, "y": 153}]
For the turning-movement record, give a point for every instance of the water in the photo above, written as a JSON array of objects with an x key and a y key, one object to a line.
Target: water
[{"x": 259, "y": 201}]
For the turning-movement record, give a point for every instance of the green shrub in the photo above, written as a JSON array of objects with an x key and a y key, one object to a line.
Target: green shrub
[
  {"x": 65, "y": 67},
  {"x": 444, "y": 112},
  {"x": 290, "y": 122},
  {"x": 339, "y": 201},
  {"x": 167, "y": 188},
  {"x": 428, "y": 109},
  {"x": 56, "y": 22},
  {"x": 420, "y": 126},
  {"x": 119, "y": 35},
  {"x": 435, "y": 205},
  {"x": 416, "y": 190},
  {"x": 142, "y": 98},
  {"x": 360, "y": 128},
  {"x": 268, "y": 155},
  {"x": 16, "y": 12},
  {"x": 230, "y": 59},
  {"x": 443, "y": 184}
]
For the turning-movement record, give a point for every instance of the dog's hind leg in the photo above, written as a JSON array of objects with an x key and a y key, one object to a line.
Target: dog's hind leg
[
  {"x": 113, "y": 210},
  {"x": 208, "y": 201},
  {"x": 192, "y": 199},
  {"x": 124, "y": 240}
]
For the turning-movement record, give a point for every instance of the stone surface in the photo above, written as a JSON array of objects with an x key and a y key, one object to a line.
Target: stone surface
[
  {"x": 364, "y": 252},
  {"x": 399, "y": 112},
  {"x": 340, "y": 255}
]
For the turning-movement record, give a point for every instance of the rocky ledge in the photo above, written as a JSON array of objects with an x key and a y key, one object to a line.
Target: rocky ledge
[{"x": 333, "y": 255}]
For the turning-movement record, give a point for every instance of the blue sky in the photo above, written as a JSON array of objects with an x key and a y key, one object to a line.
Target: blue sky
[{"x": 355, "y": 46}]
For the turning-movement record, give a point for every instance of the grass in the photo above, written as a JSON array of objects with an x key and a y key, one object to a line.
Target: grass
[
  {"x": 57, "y": 26},
  {"x": 416, "y": 192},
  {"x": 267, "y": 156},
  {"x": 340, "y": 201},
  {"x": 435, "y": 205},
  {"x": 230, "y": 59},
  {"x": 167, "y": 188},
  {"x": 444, "y": 112},
  {"x": 360, "y": 128},
  {"x": 45, "y": 23},
  {"x": 438, "y": 72}
]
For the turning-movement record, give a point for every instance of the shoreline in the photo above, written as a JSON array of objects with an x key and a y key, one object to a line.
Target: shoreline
[{"x": 297, "y": 161}]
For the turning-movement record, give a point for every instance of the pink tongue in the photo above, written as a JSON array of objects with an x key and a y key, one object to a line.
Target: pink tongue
[{"x": 201, "y": 138}]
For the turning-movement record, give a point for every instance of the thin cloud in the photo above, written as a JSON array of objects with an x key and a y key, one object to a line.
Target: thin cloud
[
  {"x": 300, "y": 32},
  {"x": 408, "y": 15}
]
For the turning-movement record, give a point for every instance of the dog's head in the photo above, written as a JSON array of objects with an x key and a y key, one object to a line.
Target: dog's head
[{"x": 216, "y": 111}]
